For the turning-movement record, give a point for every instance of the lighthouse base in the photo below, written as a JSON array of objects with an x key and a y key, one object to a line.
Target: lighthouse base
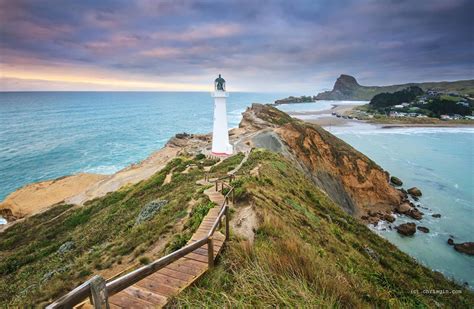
[{"x": 228, "y": 152}]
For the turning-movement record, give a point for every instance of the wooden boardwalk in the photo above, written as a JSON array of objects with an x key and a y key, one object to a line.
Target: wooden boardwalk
[{"x": 157, "y": 289}]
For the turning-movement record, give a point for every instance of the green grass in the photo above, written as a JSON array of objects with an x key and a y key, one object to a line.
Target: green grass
[
  {"x": 308, "y": 253},
  {"x": 227, "y": 165},
  {"x": 104, "y": 234}
]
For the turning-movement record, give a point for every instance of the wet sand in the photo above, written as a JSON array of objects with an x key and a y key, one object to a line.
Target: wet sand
[{"x": 325, "y": 118}]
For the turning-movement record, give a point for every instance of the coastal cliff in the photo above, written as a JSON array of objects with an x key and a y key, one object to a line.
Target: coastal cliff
[
  {"x": 346, "y": 87},
  {"x": 352, "y": 180}
]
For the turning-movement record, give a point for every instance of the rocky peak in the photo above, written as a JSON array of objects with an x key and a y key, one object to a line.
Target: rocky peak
[{"x": 345, "y": 84}]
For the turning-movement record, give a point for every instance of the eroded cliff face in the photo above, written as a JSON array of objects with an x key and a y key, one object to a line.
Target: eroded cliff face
[{"x": 351, "y": 179}]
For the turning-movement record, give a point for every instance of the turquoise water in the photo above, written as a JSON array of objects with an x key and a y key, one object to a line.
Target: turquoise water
[
  {"x": 45, "y": 135},
  {"x": 441, "y": 163}
]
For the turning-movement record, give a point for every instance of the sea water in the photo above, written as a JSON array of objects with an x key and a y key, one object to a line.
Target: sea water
[
  {"x": 45, "y": 135},
  {"x": 50, "y": 134},
  {"x": 440, "y": 162}
]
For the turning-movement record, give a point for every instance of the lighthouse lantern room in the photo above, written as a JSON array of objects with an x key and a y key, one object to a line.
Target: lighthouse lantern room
[{"x": 220, "y": 133}]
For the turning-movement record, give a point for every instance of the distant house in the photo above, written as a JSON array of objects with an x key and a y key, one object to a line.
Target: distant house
[
  {"x": 469, "y": 117},
  {"x": 399, "y": 106},
  {"x": 466, "y": 104},
  {"x": 397, "y": 114},
  {"x": 432, "y": 93},
  {"x": 445, "y": 117},
  {"x": 405, "y": 104}
]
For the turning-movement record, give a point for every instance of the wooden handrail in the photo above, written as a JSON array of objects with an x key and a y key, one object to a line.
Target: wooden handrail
[{"x": 83, "y": 291}]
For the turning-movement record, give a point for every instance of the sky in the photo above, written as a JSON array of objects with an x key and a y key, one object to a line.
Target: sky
[{"x": 299, "y": 47}]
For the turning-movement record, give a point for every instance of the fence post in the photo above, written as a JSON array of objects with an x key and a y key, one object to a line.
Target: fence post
[
  {"x": 210, "y": 252},
  {"x": 226, "y": 222},
  {"x": 217, "y": 183},
  {"x": 99, "y": 293}
]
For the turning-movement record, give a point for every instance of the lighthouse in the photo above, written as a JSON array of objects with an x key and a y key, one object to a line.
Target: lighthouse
[{"x": 220, "y": 133}]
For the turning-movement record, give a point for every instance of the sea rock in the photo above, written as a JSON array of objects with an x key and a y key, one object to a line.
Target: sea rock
[
  {"x": 450, "y": 242},
  {"x": 389, "y": 218},
  {"x": 396, "y": 181},
  {"x": 415, "y": 214},
  {"x": 436, "y": 215},
  {"x": 465, "y": 247},
  {"x": 66, "y": 247},
  {"x": 406, "y": 229},
  {"x": 403, "y": 208},
  {"x": 415, "y": 192},
  {"x": 423, "y": 229},
  {"x": 182, "y": 135},
  {"x": 150, "y": 210}
]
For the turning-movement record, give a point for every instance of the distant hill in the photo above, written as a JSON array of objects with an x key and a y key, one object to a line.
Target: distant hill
[{"x": 347, "y": 88}]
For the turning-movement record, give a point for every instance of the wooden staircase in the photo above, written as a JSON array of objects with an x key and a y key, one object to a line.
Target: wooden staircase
[
  {"x": 153, "y": 285},
  {"x": 155, "y": 290}
]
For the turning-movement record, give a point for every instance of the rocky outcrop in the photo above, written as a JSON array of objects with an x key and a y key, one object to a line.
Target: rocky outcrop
[
  {"x": 406, "y": 229},
  {"x": 403, "y": 208},
  {"x": 466, "y": 248},
  {"x": 351, "y": 179},
  {"x": 396, "y": 181},
  {"x": 38, "y": 196},
  {"x": 423, "y": 229},
  {"x": 436, "y": 215},
  {"x": 414, "y": 192}
]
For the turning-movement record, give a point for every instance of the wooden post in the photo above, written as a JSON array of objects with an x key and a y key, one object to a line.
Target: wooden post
[
  {"x": 233, "y": 196},
  {"x": 210, "y": 252},
  {"x": 227, "y": 223},
  {"x": 217, "y": 183},
  {"x": 99, "y": 293}
]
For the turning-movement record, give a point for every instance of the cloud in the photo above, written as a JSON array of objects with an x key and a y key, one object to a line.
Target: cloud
[{"x": 304, "y": 43}]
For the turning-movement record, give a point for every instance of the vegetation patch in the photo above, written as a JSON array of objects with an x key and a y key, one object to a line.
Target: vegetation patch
[{"x": 48, "y": 254}]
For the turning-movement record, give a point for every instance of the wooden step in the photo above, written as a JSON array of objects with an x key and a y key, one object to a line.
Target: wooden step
[{"x": 156, "y": 289}]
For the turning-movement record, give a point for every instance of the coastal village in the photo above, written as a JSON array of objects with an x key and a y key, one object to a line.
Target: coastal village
[
  {"x": 408, "y": 103},
  {"x": 417, "y": 108}
]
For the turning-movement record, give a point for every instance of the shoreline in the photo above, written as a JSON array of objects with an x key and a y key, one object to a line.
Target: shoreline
[{"x": 324, "y": 118}]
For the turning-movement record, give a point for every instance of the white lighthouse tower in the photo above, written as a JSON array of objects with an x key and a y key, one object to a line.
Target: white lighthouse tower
[{"x": 220, "y": 133}]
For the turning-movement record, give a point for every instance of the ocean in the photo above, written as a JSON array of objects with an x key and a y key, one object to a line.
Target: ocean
[{"x": 45, "y": 135}]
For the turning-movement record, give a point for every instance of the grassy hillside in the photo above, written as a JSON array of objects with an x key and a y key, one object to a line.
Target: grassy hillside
[
  {"x": 48, "y": 254},
  {"x": 309, "y": 253}
]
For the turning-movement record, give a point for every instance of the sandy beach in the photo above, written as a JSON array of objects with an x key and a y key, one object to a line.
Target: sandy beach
[{"x": 325, "y": 118}]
